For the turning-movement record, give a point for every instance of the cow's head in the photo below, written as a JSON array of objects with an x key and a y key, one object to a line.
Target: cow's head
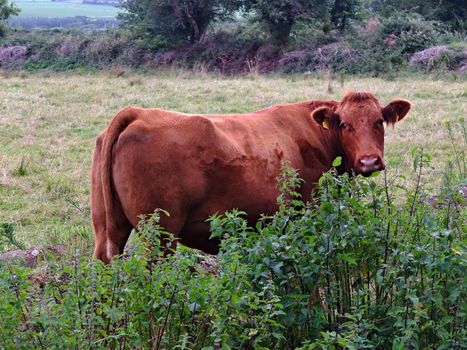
[{"x": 359, "y": 123}]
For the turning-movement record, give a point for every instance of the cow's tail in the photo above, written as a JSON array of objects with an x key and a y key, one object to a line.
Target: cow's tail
[{"x": 112, "y": 207}]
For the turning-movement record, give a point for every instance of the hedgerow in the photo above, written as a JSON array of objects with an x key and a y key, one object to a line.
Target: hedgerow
[{"x": 375, "y": 47}]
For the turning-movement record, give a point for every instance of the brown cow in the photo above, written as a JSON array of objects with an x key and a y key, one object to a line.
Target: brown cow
[{"x": 194, "y": 166}]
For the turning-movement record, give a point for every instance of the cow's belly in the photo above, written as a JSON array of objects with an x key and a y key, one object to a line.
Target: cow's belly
[
  {"x": 191, "y": 194},
  {"x": 252, "y": 198}
]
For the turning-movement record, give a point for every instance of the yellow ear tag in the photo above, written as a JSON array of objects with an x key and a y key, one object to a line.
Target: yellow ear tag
[{"x": 325, "y": 124}]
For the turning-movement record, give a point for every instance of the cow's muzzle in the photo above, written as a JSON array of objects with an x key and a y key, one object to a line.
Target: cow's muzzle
[{"x": 366, "y": 165}]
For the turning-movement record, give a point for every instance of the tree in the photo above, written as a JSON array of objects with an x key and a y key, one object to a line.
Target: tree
[
  {"x": 452, "y": 12},
  {"x": 170, "y": 23},
  {"x": 6, "y": 10},
  {"x": 343, "y": 11},
  {"x": 279, "y": 16}
]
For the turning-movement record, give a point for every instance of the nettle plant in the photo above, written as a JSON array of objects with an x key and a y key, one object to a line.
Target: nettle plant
[{"x": 354, "y": 269}]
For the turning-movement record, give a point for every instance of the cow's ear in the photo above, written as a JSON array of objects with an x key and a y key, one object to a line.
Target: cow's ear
[
  {"x": 324, "y": 116},
  {"x": 396, "y": 110}
]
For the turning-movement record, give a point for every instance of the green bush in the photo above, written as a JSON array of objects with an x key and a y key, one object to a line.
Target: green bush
[
  {"x": 381, "y": 46},
  {"x": 384, "y": 48},
  {"x": 70, "y": 49},
  {"x": 355, "y": 270},
  {"x": 390, "y": 44},
  {"x": 360, "y": 270},
  {"x": 440, "y": 58},
  {"x": 410, "y": 31}
]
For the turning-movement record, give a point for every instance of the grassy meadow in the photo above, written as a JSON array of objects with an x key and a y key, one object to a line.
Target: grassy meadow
[
  {"x": 370, "y": 267},
  {"x": 49, "y": 122}
]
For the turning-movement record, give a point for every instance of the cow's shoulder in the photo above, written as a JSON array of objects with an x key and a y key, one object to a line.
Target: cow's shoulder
[{"x": 200, "y": 122}]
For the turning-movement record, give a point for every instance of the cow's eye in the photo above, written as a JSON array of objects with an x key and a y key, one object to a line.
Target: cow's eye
[
  {"x": 344, "y": 126},
  {"x": 380, "y": 122}
]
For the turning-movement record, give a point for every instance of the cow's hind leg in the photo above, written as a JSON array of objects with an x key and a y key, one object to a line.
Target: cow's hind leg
[{"x": 109, "y": 241}]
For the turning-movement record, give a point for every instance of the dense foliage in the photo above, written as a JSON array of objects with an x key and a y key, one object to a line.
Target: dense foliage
[
  {"x": 6, "y": 10},
  {"x": 236, "y": 36},
  {"x": 171, "y": 23},
  {"x": 174, "y": 22},
  {"x": 279, "y": 16},
  {"x": 358, "y": 269},
  {"x": 453, "y": 12},
  {"x": 382, "y": 46}
]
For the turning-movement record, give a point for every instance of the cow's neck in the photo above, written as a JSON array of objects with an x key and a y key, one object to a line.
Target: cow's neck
[
  {"x": 335, "y": 149},
  {"x": 318, "y": 154}
]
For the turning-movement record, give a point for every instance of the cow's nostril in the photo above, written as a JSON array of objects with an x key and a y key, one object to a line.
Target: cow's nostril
[{"x": 369, "y": 161}]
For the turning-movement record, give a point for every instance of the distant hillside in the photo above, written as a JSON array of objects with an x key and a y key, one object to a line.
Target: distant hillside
[
  {"x": 76, "y": 22},
  {"x": 68, "y": 8},
  {"x": 102, "y": 2},
  {"x": 69, "y": 14},
  {"x": 93, "y": 2}
]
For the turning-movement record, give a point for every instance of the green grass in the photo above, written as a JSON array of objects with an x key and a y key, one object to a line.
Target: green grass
[
  {"x": 64, "y": 9},
  {"x": 49, "y": 122}
]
